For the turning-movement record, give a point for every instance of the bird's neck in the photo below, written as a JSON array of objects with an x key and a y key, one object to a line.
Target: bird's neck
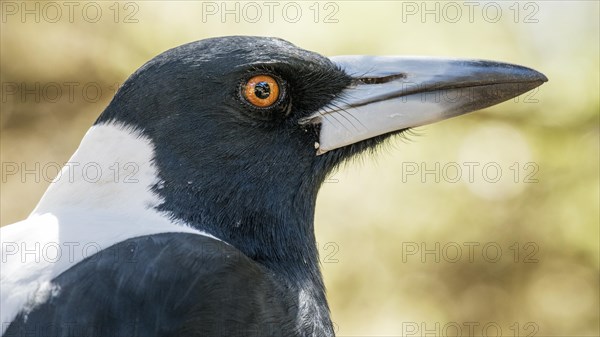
[
  {"x": 282, "y": 242},
  {"x": 276, "y": 232},
  {"x": 268, "y": 217},
  {"x": 263, "y": 216}
]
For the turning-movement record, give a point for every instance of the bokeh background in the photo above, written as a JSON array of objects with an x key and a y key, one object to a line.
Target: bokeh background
[{"x": 389, "y": 232}]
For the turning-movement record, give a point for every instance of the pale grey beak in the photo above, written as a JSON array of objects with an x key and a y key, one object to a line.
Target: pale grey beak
[{"x": 394, "y": 93}]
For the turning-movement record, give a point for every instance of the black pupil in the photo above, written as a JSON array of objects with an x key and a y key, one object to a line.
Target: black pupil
[{"x": 262, "y": 90}]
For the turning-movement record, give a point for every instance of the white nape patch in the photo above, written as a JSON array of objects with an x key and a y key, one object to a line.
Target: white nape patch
[{"x": 102, "y": 196}]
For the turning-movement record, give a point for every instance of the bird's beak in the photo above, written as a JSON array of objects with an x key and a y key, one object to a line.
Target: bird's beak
[{"x": 394, "y": 93}]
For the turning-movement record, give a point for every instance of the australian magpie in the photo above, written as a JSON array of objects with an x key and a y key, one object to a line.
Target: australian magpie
[{"x": 188, "y": 208}]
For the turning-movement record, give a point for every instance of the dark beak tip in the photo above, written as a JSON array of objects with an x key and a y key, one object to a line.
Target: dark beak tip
[
  {"x": 534, "y": 75},
  {"x": 539, "y": 76}
]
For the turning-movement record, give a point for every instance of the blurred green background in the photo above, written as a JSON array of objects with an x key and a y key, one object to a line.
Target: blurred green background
[{"x": 389, "y": 231}]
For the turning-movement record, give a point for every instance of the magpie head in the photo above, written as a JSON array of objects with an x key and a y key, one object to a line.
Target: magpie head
[
  {"x": 245, "y": 129},
  {"x": 233, "y": 106}
]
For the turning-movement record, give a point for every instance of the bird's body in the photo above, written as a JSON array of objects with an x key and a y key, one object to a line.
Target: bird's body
[
  {"x": 188, "y": 208},
  {"x": 169, "y": 284}
]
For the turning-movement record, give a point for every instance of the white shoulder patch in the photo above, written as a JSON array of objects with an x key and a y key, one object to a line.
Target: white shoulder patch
[{"x": 102, "y": 196}]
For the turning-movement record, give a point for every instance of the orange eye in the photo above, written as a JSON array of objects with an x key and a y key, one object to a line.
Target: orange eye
[{"x": 261, "y": 91}]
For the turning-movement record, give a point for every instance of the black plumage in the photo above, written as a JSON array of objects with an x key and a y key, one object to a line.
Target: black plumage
[{"x": 172, "y": 284}]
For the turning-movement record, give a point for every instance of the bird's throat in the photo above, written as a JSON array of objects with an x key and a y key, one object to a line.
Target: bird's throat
[{"x": 272, "y": 226}]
